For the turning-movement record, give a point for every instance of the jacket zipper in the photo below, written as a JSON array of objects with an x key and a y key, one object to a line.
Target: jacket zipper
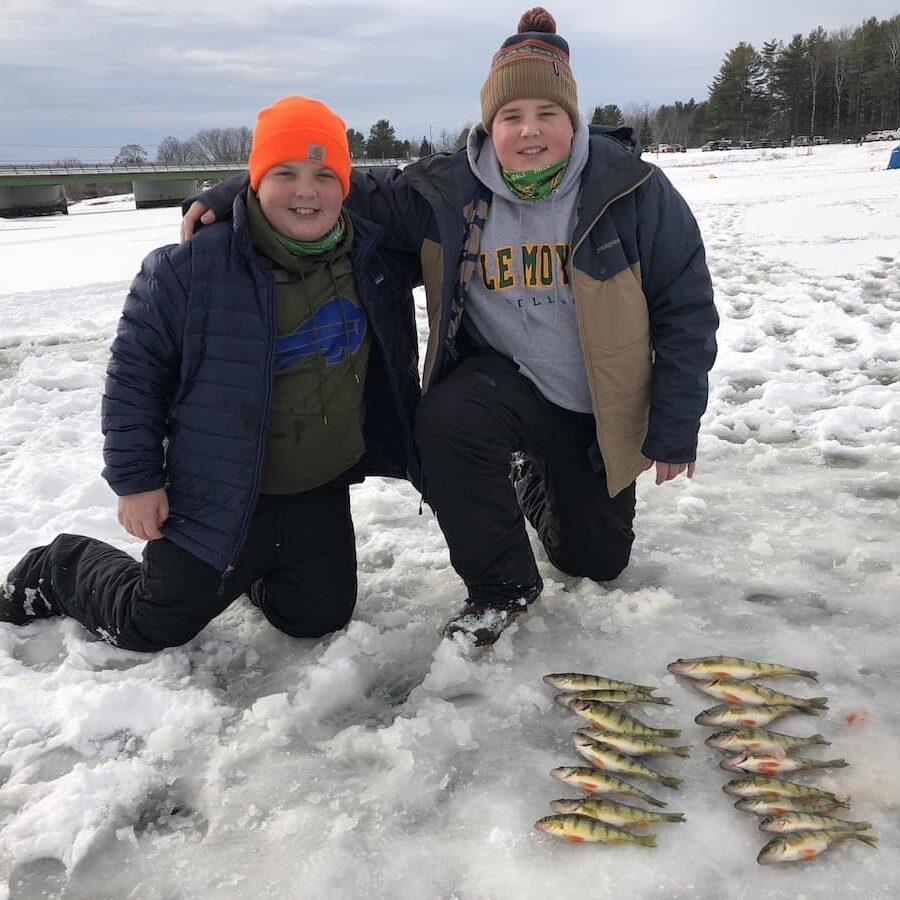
[
  {"x": 257, "y": 469},
  {"x": 578, "y": 314}
]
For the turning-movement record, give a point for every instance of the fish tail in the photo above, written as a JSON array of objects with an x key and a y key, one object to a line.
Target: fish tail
[
  {"x": 668, "y": 732},
  {"x": 671, "y": 817},
  {"x": 670, "y": 781},
  {"x": 651, "y": 800},
  {"x": 860, "y": 826},
  {"x": 682, "y": 751},
  {"x": 809, "y": 709},
  {"x": 806, "y": 673},
  {"x": 869, "y": 839},
  {"x": 818, "y": 739},
  {"x": 661, "y": 701},
  {"x": 816, "y": 702},
  {"x": 831, "y": 764},
  {"x": 644, "y": 688},
  {"x": 645, "y": 840}
]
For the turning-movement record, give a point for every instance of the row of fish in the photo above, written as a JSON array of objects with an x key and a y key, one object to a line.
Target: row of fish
[
  {"x": 797, "y": 812},
  {"x": 611, "y": 743}
]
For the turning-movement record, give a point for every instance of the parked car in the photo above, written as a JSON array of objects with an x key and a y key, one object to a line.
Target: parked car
[
  {"x": 891, "y": 134},
  {"x": 820, "y": 139}
]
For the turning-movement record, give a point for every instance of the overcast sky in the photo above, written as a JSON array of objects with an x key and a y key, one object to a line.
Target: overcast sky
[{"x": 80, "y": 79}]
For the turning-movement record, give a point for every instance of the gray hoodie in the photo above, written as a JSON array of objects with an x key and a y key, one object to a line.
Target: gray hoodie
[{"x": 520, "y": 299}]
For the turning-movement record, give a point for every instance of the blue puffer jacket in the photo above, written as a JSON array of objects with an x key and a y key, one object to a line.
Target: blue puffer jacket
[{"x": 188, "y": 387}]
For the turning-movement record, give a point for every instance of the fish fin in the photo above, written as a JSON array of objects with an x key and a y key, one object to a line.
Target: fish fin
[
  {"x": 818, "y": 739},
  {"x": 645, "y": 840},
  {"x": 809, "y": 710},
  {"x": 669, "y": 732},
  {"x": 807, "y": 673},
  {"x": 670, "y": 781},
  {"x": 644, "y": 688},
  {"x": 816, "y": 702},
  {"x": 860, "y": 826},
  {"x": 832, "y": 764},
  {"x": 869, "y": 839},
  {"x": 673, "y": 817},
  {"x": 682, "y": 751},
  {"x": 653, "y": 801},
  {"x": 661, "y": 701}
]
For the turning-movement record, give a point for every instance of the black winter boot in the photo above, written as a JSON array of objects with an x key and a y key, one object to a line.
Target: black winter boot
[{"x": 481, "y": 624}]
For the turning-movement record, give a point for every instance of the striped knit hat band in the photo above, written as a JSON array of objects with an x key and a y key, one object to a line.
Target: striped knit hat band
[{"x": 532, "y": 64}]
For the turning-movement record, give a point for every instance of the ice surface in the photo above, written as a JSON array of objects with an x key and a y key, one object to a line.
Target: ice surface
[{"x": 381, "y": 761}]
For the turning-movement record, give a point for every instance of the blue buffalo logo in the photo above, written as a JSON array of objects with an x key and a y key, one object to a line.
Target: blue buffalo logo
[{"x": 336, "y": 330}]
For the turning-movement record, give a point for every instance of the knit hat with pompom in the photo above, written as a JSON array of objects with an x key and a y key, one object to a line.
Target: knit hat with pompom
[{"x": 532, "y": 64}]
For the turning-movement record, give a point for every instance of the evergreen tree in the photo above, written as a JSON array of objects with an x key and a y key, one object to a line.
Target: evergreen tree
[
  {"x": 736, "y": 96},
  {"x": 357, "y": 142},
  {"x": 381, "y": 140},
  {"x": 610, "y": 114},
  {"x": 425, "y": 149},
  {"x": 646, "y": 132}
]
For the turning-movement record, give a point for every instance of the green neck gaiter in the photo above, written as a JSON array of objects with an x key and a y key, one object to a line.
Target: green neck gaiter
[
  {"x": 314, "y": 248},
  {"x": 535, "y": 184}
]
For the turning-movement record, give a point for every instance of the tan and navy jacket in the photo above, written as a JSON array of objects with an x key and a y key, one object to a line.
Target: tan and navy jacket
[{"x": 643, "y": 293}]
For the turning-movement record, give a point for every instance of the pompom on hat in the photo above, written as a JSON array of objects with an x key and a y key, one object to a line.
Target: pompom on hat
[
  {"x": 534, "y": 63},
  {"x": 299, "y": 128}
]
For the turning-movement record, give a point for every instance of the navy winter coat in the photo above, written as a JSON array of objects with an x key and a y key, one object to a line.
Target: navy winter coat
[{"x": 188, "y": 387}]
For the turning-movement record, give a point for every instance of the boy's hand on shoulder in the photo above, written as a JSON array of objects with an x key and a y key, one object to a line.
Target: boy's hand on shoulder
[
  {"x": 197, "y": 212},
  {"x": 668, "y": 471},
  {"x": 142, "y": 514}
]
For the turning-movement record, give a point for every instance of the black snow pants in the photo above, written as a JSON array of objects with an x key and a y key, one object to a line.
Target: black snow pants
[
  {"x": 298, "y": 564},
  {"x": 468, "y": 426}
]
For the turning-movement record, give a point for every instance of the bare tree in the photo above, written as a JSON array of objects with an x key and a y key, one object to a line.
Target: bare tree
[
  {"x": 224, "y": 145},
  {"x": 130, "y": 155},
  {"x": 840, "y": 51}
]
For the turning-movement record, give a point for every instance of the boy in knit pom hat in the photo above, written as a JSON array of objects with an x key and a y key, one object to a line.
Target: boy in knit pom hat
[
  {"x": 257, "y": 372},
  {"x": 574, "y": 336}
]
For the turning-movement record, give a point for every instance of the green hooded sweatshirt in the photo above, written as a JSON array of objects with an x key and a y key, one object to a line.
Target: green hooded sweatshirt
[{"x": 321, "y": 356}]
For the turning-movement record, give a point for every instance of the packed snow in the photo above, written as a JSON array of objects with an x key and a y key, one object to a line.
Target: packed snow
[{"x": 384, "y": 761}]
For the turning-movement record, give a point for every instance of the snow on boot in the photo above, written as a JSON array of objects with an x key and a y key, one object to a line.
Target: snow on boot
[
  {"x": 480, "y": 625},
  {"x": 10, "y": 611}
]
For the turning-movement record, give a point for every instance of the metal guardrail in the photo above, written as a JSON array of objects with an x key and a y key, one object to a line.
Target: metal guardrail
[{"x": 36, "y": 174}]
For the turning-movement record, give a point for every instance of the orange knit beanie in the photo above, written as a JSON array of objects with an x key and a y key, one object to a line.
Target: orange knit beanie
[{"x": 299, "y": 128}]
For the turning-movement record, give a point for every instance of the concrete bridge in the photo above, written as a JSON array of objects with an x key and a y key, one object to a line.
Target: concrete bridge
[{"x": 29, "y": 190}]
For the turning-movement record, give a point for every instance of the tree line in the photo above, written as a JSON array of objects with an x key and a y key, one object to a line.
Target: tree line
[{"x": 840, "y": 84}]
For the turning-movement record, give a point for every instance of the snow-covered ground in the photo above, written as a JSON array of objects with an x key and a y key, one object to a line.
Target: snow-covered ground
[{"x": 381, "y": 762}]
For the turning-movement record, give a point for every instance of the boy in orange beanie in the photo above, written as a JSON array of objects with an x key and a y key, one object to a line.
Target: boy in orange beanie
[
  {"x": 257, "y": 372},
  {"x": 574, "y": 335}
]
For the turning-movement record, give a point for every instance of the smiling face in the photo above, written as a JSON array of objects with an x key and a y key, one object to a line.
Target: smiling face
[
  {"x": 300, "y": 199},
  {"x": 531, "y": 134}
]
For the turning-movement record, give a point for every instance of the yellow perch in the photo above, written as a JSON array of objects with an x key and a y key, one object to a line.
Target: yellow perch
[
  {"x": 595, "y": 781},
  {"x": 619, "y": 814},
  {"x": 705, "y": 667},
  {"x": 788, "y": 823},
  {"x": 575, "y": 681},
  {"x": 731, "y": 690},
  {"x": 631, "y": 745},
  {"x": 740, "y": 716},
  {"x": 767, "y": 786},
  {"x": 777, "y": 806},
  {"x": 758, "y": 740},
  {"x": 805, "y": 845},
  {"x": 777, "y": 765},
  {"x": 610, "y": 718},
  {"x": 605, "y": 757},
  {"x": 585, "y": 829}
]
